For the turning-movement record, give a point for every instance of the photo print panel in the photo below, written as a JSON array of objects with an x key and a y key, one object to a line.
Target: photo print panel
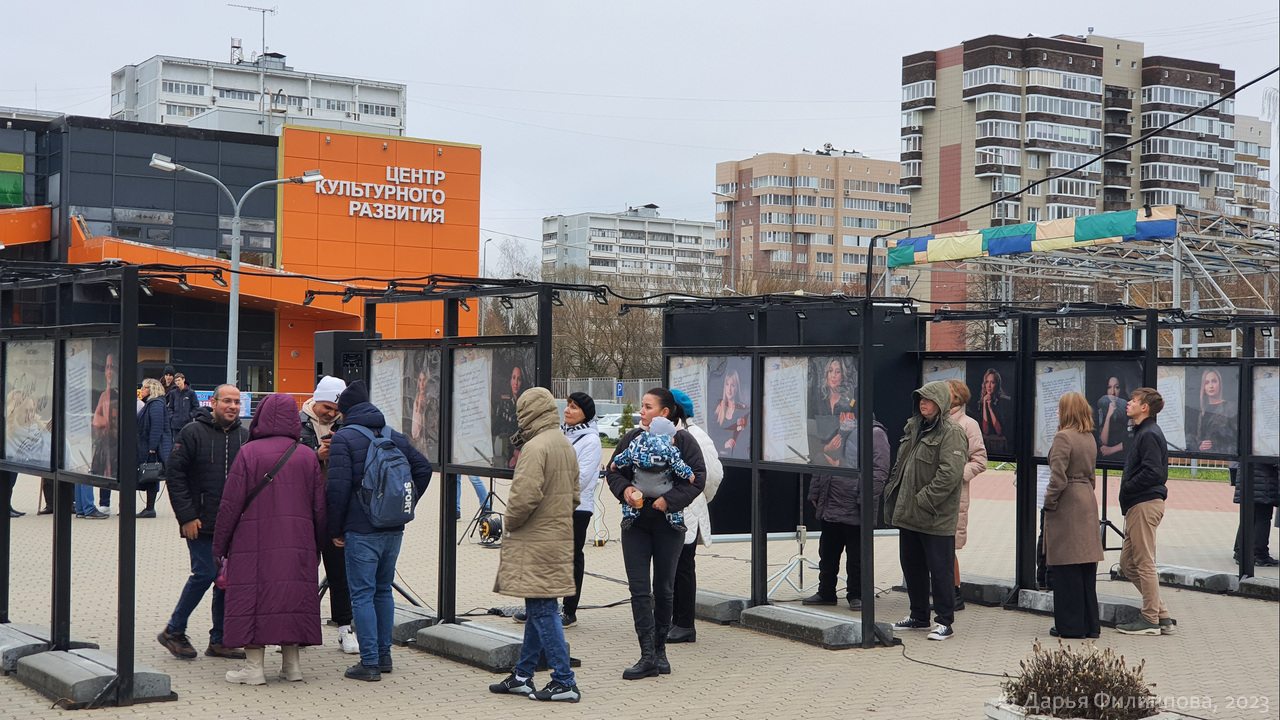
[
  {"x": 786, "y": 410},
  {"x": 28, "y": 403},
  {"x": 422, "y": 401},
  {"x": 1108, "y": 384},
  {"x": 728, "y": 399},
  {"x": 1211, "y": 409},
  {"x": 1054, "y": 378},
  {"x": 832, "y": 389},
  {"x": 513, "y": 373},
  {"x": 993, "y": 386},
  {"x": 1266, "y": 410},
  {"x": 91, "y": 409},
  {"x": 472, "y": 411}
]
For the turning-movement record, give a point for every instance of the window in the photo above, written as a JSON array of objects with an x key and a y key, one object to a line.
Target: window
[
  {"x": 774, "y": 199},
  {"x": 867, "y": 205},
  {"x": 856, "y": 241},
  {"x": 1225, "y": 181},
  {"x": 1033, "y": 161},
  {"x": 802, "y": 258},
  {"x": 1264, "y": 153},
  {"x": 781, "y": 181},
  {"x": 1246, "y": 148},
  {"x": 997, "y": 101},
  {"x": 775, "y": 236},
  {"x": 1172, "y": 197},
  {"x": 805, "y": 181},
  {"x": 1062, "y": 106},
  {"x": 1227, "y": 107},
  {"x": 851, "y": 258},
  {"x": 806, "y": 219},
  {"x": 990, "y": 75},
  {"x": 1033, "y": 214},
  {"x": 379, "y": 110},
  {"x": 602, "y": 262},
  {"x": 1063, "y": 133},
  {"x": 918, "y": 90},
  {"x": 1035, "y": 190},
  {"x": 873, "y": 187},
  {"x": 1006, "y": 184},
  {"x": 823, "y": 239},
  {"x": 1181, "y": 96},
  {"x": 181, "y": 88},
  {"x": 849, "y": 278},
  {"x": 1067, "y": 81},
  {"x": 237, "y": 95},
  {"x": 1058, "y": 212},
  {"x": 857, "y": 222},
  {"x": 828, "y": 183},
  {"x": 807, "y": 200},
  {"x": 1073, "y": 188},
  {"x": 911, "y": 143},
  {"x": 727, "y": 188},
  {"x": 331, "y": 104},
  {"x": 1246, "y": 169},
  {"x": 1006, "y": 209},
  {"x": 828, "y": 202},
  {"x": 1059, "y": 160},
  {"x": 771, "y": 218},
  {"x": 604, "y": 248},
  {"x": 999, "y": 129},
  {"x": 1197, "y": 124},
  {"x": 1000, "y": 156},
  {"x": 914, "y": 118},
  {"x": 1182, "y": 148},
  {"x": 1166, "y": 171},
  {"x": 911, "y": 169},
  {"x": 182, "y": 110}
]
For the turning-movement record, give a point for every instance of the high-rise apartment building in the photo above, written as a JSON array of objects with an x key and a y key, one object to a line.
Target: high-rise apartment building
[
  {"x": 994, "y": 114},
  {"x": 255, "y": 96},
  {"x": 638, "y": 247},
  {"x": 808, "y": 216}
]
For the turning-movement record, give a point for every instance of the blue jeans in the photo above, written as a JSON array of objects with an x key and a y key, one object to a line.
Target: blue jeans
[
  {"x": 482, "y": 491},
  {"x": 371, "y": 567},
  {"x": 543, "y": 633},
  {"x": 84, "y": 500},
  {"x": 203, "y": 572}
]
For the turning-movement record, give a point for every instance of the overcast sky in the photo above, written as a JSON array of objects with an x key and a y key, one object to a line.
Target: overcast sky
[{"x": 601, "y": 105}]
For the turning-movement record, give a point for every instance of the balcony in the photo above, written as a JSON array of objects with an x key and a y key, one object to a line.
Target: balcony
[
  {"x": 990, "y": 170},
  {"x": 1115, "y": 205},
  {"x": 1117, "y": 129},
  {"x": 1123, "y": 156},
  {"x": 1117, "y": 101},
  {"x": 1116, "y": 180}
]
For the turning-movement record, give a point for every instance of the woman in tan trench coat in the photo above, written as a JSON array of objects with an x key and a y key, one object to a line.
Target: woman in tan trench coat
[{"x": 1072, "y": 542}]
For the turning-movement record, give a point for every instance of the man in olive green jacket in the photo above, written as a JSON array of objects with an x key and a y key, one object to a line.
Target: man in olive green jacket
[
  {"x": 922, "y": 499},
  {"x": 537, "y": 555}
]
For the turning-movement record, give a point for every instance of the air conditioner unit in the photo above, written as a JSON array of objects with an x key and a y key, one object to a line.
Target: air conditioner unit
[{"x": 846, "y": 192}]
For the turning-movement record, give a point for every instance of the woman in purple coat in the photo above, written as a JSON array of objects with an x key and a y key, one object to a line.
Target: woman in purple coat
[{"x": 271, "y": 543}]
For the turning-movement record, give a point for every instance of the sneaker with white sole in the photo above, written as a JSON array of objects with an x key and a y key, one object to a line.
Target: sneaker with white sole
[
  {"x": 941, "y": 632},
  {"x": 1140, "y": 627},
  {"x": 347, "y": 641},
  {"x": 555, "y": 692},
  {"x": 910, "y": 623},
  {"x": 512, "y": 686}
]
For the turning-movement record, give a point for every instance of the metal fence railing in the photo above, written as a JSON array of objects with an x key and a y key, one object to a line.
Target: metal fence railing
[{"x": 604, "y": 389}]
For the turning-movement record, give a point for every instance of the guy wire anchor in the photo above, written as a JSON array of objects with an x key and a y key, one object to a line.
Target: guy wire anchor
[{"x": 799, "y": 561}]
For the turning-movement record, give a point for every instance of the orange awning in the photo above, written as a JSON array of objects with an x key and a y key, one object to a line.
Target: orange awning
[{"x": 25, "y": 225}]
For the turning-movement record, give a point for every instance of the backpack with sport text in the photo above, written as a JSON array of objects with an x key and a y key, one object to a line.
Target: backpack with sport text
[{"x": 386, "y": 491}]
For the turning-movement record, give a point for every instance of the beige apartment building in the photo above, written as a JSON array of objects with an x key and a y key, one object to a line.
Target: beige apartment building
[{"x": 805, "y": 217}]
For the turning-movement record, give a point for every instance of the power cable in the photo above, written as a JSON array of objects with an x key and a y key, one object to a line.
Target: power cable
[{"x": 947, "y": 667}]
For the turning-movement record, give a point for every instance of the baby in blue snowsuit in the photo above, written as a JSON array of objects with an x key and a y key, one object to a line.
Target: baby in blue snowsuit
[{"x": 655, "y": 450}]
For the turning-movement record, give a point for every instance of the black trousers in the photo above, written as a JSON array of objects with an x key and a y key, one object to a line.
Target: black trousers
[
  {"x": 335, "y": 569},
  {"x": 1075, "y": 600},
  {"x": 1261, "y": 531},
  {"x": 928, "y": 564},
  {"x": 651, "y": 542},
  {"x": 581, "y": 521},
  {"x": 840, "y": 538},
  {"x": 684, "y": 595},
  {"x": 1044, "y": 572}
]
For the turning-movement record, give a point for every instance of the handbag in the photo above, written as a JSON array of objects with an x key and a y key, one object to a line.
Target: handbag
[
  {"x": 150, "y": 472},
  {"x": 221, "y": 580}
]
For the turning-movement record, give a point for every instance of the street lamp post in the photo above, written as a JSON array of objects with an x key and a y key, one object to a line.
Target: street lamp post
[
  {"x": 484, "y": 268},
  {"x": 162, "y": 162},
  {"x": 733, "y": 246}
]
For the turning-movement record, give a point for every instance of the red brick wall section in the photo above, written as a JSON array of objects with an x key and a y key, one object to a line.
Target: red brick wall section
[
  {"x": 947, "y": 286},
  {"x": 950, "y": 56}
]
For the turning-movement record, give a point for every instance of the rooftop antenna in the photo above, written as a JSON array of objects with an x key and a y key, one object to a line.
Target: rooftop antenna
[
  {"x": 237, "y": 51},
  {"x": 264, "y": 12}
]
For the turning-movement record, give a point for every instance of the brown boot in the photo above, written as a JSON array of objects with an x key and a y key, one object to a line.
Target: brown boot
[{"x": 218, "y": 650}]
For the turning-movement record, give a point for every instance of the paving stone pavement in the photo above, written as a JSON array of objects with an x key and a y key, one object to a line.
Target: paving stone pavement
[{"x": 1226, "y": 647}]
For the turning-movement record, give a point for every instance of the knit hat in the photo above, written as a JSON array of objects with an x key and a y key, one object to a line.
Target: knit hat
[
  {"x": 328, "y": 389},
  {"x": 168, "y": 370},
  {"x": 682, "y": 399},
  {"x": 355, "y": 394},
  {"x": 662, "y": 426},
  {"x": 584, "y": 403}
]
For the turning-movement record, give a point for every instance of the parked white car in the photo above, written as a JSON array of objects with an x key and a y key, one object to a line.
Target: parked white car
[{"x": 611, "y": 425}]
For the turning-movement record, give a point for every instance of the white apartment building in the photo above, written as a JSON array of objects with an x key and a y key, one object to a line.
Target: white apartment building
[
  {"x": 637, "y": 246},
  {"x": 253, "y": 97}
]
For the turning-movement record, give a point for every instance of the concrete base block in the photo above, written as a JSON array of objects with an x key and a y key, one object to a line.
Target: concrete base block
[
  {"x": 983, "y": 590},
  {"x": 476, "y": 645},
  {"x": 718, "y": 608},
  {"x": 1112, "y": 609},
  {"x": 815, "y": 627},
  {"x": 1263, "y": 588},
  {"x": 18, "y": 640},
  {"x": 80, "y": 676},
  {"x": 1190, "y": 578},
  {"x": 408, "y": 621}
]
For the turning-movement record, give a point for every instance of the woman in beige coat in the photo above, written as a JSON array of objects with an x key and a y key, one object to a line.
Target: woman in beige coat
[
  {"x": 1072, "y": 542},
  {"x": 974, "y": 465},
  {"x": 537, "y": 554}
]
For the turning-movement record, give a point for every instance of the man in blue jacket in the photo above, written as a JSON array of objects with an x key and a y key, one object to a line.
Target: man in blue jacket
[
  {"x": 1142, "y": 496},
  {"x": 371, "y": 552}
]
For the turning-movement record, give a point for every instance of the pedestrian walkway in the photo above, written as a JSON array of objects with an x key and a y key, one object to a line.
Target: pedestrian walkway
[{"x": 1225, "y": 646}]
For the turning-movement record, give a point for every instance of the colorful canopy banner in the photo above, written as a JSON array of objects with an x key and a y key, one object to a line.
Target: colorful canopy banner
[{"x": 1102, "y": 229}]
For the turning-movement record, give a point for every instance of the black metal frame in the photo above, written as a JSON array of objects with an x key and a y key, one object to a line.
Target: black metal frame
[
  {"x": 453, "y": 296},
  {"x": 126, "y": 331}
]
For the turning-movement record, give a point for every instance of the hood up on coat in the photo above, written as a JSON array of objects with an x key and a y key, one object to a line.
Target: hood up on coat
[
  {"x": 939, "y": 393},
  {"x": 535, "y": 412},
  {"x": 277, "y": 416}
]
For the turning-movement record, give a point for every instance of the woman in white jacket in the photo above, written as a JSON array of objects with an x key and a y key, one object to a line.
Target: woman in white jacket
[
  {"x": 697, "y": 518},
  {"x": 580, "y": 428}
]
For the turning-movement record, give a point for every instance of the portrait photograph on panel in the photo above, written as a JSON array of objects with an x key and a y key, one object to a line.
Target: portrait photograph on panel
[
  {"x": 28, "y": 402},
  {"x": 1201, "y": 408},
  {"x": 1108, "y": 384},
  {"x": 992, "y": 389},
  {"x": 728, "y": 417},
  {"x": 422, "y": 401},
  {"x": 512, "y": 375},
  {"x": 832, "y": 386},
  {"x": 92, "y": 407}
]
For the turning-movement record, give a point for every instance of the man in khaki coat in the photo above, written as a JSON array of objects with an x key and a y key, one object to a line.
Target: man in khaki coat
[{"x": 537, "y": 555}]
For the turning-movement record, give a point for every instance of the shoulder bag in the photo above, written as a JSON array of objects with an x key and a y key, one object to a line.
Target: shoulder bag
[{"x": 221, "y": 580}]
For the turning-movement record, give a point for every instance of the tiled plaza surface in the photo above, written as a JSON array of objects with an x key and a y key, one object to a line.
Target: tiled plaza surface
[{"x": 1226, "y": 647}]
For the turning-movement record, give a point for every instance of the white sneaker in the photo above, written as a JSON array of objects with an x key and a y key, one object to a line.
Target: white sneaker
[{"x": 347, "y": 641}]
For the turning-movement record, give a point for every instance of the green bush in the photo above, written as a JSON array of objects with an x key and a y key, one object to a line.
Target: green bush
[
  {"x": 1085, "y": 683},
  {"x": 626, "y": 423}
]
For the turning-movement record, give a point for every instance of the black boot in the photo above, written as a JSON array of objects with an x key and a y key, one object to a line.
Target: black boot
[
  {"x": 660, "y": 653},
  {"x": 647, "y": 665}
]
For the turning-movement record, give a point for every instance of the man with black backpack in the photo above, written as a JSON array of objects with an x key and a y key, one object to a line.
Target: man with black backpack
[{"x": 375, "y": 479}]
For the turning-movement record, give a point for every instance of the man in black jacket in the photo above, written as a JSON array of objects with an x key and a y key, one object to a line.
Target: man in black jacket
[
  {"x": 183, "y": 404},
  {"x": 196, "y": 473},
  {"x": 1142, "y": 496}
]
